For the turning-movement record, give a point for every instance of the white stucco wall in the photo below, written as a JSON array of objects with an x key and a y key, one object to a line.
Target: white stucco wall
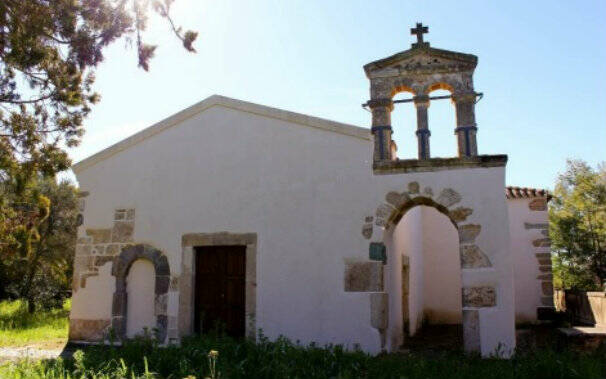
[
  {"x": 442, "y": 269},
  {"x": 430, "y": 242},
  {"x": 526, "y": 267},
  {"x": 406, "y": 239},
  {"x": 140, "y": 291},
  {"x": 95, "y": 301},
  {"x": 305, "y": 192}
]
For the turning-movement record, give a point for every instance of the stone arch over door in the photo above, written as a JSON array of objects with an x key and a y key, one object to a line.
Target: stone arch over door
[
  {"x": 120, "y": 270},
  {"x": 397, "y": 204}
]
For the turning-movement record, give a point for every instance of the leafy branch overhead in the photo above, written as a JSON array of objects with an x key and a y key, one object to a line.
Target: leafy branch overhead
[{"x": 49, "y": 51}]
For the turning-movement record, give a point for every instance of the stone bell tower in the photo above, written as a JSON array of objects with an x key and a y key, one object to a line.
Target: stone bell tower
[
  {"x": 421, "y": 70},
  {"x": 467, "y": 189}
]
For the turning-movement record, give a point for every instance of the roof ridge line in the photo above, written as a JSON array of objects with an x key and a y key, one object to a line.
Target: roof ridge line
[{"x": 227, "y": 102}]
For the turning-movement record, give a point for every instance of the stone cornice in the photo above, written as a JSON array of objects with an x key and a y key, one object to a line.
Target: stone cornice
[
  {"x": 437, "y": 164},
  {"x": 468, "y": 61}
]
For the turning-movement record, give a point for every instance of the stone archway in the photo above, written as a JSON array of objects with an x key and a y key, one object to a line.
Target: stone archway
[
  {"x": 121, "y": 266},
  {"x": 396, "y": 204}
]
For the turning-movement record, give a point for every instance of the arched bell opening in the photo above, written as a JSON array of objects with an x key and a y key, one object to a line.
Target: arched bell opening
[
  {"x": 404, "y": 124},
  {"x": 441, "y": 116}
]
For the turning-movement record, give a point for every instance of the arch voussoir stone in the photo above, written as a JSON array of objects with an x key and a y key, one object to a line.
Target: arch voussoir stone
[
  {"x": 120, "y": 270},
  {"x": 396, "y": 204}
]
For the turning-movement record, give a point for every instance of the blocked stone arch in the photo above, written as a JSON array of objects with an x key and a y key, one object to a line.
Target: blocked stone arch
[
  {"x": 390, "y": 212},
  {"x": 120, "y": 269}
]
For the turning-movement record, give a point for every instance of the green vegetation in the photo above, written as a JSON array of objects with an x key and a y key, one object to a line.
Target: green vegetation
[
  {"x": 49, "y": 52},
  {"x": 283, "y": 359},
  {"x": 42, "y": 329},
  {"x": 41, "y": 274},
  {"x": 577, "y": 217}
]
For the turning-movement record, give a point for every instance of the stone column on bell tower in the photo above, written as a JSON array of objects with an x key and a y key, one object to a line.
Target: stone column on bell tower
[
  {"x": 381, "y": 128},
  {"x": 423, "y": 133},
  {"x": 466, "y": 124}
]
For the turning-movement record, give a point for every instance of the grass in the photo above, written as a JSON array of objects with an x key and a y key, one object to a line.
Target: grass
[
  {"x": 45, "y": 329},
  {"x": 216, "y": 356},
  {"x": 284, "y": 359}
]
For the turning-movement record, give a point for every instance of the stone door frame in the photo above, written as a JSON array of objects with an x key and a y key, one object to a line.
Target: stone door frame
[{"x": 188, "y": 276}]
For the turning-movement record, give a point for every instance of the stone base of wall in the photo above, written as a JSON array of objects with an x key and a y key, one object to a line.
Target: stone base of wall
[{"x": 88, "y": 330}]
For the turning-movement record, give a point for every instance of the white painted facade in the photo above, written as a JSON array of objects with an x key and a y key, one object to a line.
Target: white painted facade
[{"x": 305, "y": 187}]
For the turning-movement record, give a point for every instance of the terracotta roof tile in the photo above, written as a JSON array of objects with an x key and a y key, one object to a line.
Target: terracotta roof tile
[{"x": 526, "y": 193}]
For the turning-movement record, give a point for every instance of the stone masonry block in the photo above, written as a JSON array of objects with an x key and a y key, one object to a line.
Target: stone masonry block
[
  {"x": 448, "y": 197},
  {"x": 397, "y": 199},
  {"x": 471, "y": 330},
  {"x": 120, "y": 214},
  {"x": 479, "y": 296},
  {"x": 547, "y": 288},
  {"x": 99, "y": 235},
  {"x": 364, "y": 276},
  {"x": 528, "y": 225},
  {"x": 544, "y": 261},
  {"x": 112, "y": 249},
  {"x": 384, "y": 211},
  {"x": 367, "y": 230},
  {"x": 473, "y": 257},
  {"x": 102, "y": 259},
  {"x": 542, "y": 242},
  {"x": 468, "y": 233},
  {"x": 460, "y": 214},
  {"x": 88, "y": 330},
  {"x": 539, "y": 204},
  {"x": 161, "y": 304},
  {"x": 378, "y": 310},
  {"x": 122, "y": 231},
  {"x": 162, "y": 284}
]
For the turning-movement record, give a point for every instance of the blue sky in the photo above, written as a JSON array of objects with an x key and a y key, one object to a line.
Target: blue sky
[{"x": 542, "y": 69}]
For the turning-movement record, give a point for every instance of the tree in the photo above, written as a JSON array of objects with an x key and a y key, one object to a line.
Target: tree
[
  {"x": 49, "y": 50},
  {"x": 578, "y": 226},
  {"x": 41, "y": 273}
]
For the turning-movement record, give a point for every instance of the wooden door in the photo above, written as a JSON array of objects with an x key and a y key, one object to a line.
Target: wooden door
[{"x": 220, "y": 295}]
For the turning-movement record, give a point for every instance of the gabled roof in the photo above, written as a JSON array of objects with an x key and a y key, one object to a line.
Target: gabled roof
[
  {"x": 468, "y": 61},
  {"x": 217, "y": 100}
]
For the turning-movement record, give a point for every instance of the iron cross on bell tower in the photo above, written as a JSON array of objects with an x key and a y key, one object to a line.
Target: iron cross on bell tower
[{"x": 419, "y": 31}]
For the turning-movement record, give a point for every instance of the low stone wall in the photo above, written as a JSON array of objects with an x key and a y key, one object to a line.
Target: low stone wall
[{"x": 584, "y": 308}]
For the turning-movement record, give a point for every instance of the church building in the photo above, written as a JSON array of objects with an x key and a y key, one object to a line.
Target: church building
[{"x": 243, "y": 217}]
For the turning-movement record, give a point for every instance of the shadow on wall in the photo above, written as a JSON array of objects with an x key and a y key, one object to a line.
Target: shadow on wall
[{"x": 428, "y": 244}]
